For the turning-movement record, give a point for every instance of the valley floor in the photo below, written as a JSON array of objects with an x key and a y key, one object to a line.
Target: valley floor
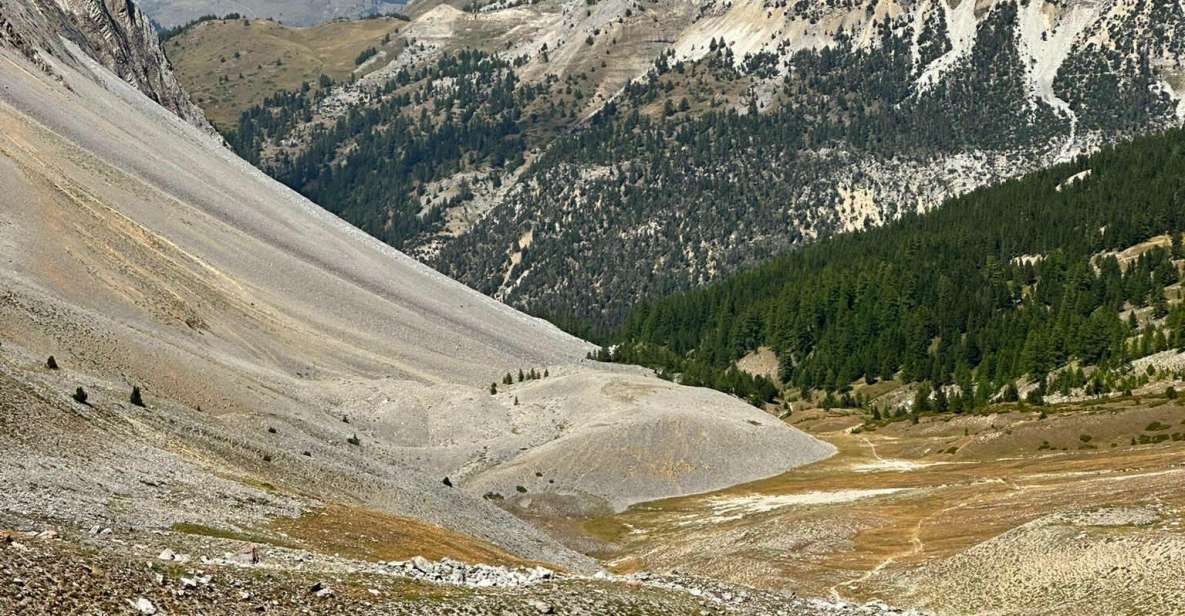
[
  {"x": 1007, "y": 513},
  {"x": 1004, "y": 513}
]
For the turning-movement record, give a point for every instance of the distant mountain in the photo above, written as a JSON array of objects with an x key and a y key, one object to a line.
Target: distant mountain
[
  {"x": 170, "y": 13},
  {"x": 597, "y": 153}
]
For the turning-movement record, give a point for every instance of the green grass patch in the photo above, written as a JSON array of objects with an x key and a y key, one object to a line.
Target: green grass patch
[{"x": 202, "y": 530}]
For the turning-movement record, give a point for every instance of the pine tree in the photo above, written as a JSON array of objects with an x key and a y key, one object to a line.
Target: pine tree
[
  {"x": 921, "y": 398},
  {"x": 1011, "y": 394},
  {"x": 136, "y": 399}
]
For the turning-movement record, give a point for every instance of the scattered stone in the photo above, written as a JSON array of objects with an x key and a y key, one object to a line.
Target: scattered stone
[
  {"x": 421, "y": 564},
  {"x": 541, "y": 607},
  {"x": 246, "y": 556},
  {"x": 144, "y": 606}
]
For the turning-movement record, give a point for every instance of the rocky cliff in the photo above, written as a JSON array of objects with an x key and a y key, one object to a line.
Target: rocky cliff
[{"x": 115, "y": 33}]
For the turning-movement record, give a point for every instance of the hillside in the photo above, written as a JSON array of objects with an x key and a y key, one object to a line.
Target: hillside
[
  {"x": 1029, "y": 282},
  {"x": 171, "y": 13},
  {"x": 194, "y": 357},
  {"x": 231, "y": 66},
  {"x": 606, "y": 152}
]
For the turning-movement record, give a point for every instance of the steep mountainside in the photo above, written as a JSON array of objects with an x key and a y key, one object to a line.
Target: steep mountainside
[
  {"x": 113, "y": 32},
  {"x": 594, "y": 153},
  {"x": 283, "y": 361}
]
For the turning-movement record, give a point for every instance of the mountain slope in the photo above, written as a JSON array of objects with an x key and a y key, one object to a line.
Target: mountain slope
[
  {"x": 1060, "y": 280},
  {"x": 644, "y": 149},
  {"x": 115, "y": 33},
  {"x": 170, "y": 13},
  {"x": 216, "y": 59},
  {"x": 288, "y": 360}
]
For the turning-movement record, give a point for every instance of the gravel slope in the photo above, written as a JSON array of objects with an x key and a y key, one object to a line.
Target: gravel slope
[{"x": 288, "y": 360}]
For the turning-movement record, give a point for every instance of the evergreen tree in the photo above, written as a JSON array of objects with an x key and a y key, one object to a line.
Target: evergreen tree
[{"x": 136, "y": 399}]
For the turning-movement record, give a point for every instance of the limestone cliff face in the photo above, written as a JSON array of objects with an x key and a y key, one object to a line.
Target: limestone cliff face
[{"x": 115, "y": 33}]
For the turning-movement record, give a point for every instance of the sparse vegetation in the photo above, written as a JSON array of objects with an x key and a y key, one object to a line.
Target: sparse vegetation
[{"x": 365, "y": 55}]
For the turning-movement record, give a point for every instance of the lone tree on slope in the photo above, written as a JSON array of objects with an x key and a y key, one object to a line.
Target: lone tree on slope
[{"x": 136, "y": 399}]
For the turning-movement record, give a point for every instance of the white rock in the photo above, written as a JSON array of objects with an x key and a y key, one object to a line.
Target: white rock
[
  {"x": 144, "y": 606},
  {"x": 421, "y": 564}
]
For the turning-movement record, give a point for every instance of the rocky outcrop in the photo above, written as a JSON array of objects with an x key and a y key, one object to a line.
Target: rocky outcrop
[{"x": 115, "y": 33}]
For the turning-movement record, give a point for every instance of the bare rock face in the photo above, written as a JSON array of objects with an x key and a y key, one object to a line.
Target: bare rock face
[{"x": 115, "y": 33}]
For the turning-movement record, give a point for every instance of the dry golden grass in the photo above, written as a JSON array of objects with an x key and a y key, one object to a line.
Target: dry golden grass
[
  {"x": 371, "y": 535},
  {"x": 947, "y": 503},
  {"x": 225, "y": 84}
]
